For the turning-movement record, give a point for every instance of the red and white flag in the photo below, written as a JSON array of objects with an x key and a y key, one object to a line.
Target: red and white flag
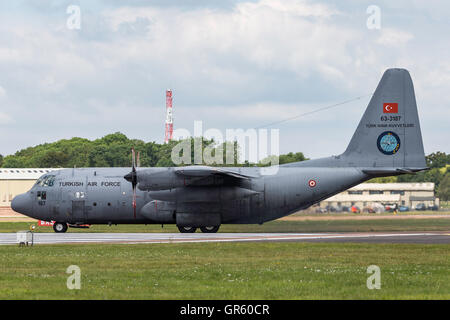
[
  {"x": 391, "y": 107},
  {"x": 42, "y": 223}
]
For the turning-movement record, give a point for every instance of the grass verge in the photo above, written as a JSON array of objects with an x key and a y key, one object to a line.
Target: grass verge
[
  {"x": 284, "y": 270},
  {"x": 381, "y": 225}
]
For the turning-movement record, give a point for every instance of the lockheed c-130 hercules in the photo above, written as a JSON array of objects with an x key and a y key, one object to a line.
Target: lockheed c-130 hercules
[{"x": 387, "y": 142}]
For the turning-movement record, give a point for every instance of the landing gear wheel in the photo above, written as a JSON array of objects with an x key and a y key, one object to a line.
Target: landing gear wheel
[
  {"x": 213, "y": 229},
  {"x": 60, "y": 227},
  {"x": 187, "y": 229}
]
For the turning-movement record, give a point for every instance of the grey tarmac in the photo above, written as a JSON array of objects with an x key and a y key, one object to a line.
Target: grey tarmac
[{"x": 136, "y": 238}]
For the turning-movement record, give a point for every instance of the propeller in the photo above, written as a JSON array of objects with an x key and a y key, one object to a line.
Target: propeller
[
  {"x": 132, "y": 177},
  {"x": 138, "y": 161}
]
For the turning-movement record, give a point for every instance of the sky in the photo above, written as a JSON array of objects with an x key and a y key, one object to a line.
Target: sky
[{"x": 231, "y": 64}]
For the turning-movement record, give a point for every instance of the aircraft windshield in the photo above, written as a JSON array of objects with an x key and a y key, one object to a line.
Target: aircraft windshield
[{"x": 46, "y": 181}]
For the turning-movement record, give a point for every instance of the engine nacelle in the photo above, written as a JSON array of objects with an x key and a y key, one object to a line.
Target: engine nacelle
[
  {"x": 159, "y": 179},
  {"x": 159, "y": 211},
  {"x": 156, "y": 179}
]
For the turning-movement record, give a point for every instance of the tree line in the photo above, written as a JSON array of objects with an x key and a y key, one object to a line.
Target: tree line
[
  {"x": 114, "y": 150},
  {"x": 439, "y": 173}
]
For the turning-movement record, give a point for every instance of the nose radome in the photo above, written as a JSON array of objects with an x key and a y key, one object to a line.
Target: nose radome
[{"x": 22, "y": 204}]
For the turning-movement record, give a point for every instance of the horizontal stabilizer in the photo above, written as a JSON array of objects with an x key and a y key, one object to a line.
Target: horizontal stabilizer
[{"x": 392, "y": 171}]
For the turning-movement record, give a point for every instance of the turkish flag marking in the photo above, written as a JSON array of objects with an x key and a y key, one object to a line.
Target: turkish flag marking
[
  {"x": 42, "y": 223},
  {"x": 390, "y": 107}
]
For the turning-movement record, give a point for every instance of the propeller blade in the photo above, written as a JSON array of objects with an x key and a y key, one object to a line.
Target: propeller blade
[
  {"x": 138, "y": 162},
  {"x": 133, "y": 159},
  {"x": 134, "y": 201},
  {"x": 132, "y": 177}
]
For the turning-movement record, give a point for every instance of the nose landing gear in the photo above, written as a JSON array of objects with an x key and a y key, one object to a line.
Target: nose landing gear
[{"x": 60, "y": 227}]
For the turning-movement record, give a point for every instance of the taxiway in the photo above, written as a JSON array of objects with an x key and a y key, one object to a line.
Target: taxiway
[{"x": 129, "y": 238}]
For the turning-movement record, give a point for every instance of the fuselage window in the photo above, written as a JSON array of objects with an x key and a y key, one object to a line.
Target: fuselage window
[
  {"x": 41, "y": 195},
  {"x": 79, "y": 194}
]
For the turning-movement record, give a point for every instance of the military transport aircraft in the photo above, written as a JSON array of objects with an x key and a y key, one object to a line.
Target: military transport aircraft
[{"x": 387, "y": 142}]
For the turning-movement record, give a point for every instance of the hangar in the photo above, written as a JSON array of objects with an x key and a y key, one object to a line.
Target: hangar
[
  {"x": 14, "y": 181},
  {"x": 402, "y": 194}
]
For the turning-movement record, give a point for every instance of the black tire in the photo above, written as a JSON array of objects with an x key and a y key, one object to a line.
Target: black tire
[
  {"x": 213, "y": 229},
  {"x": 60, "y": 227},
  {"x": 187, "y": 229}
]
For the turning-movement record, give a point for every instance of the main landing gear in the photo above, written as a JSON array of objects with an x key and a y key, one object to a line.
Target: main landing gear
[
  {"x": 212, "y": 229},
  {"x": 60, "y": 227}
]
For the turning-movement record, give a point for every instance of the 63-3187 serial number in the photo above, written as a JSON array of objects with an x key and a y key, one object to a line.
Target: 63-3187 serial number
[{"x": 391, "y": 118}]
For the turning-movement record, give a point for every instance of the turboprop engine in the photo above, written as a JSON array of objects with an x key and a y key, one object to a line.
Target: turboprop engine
[
  {"x": 159, "y": 179},
  {"x": 155, "y": 179}
]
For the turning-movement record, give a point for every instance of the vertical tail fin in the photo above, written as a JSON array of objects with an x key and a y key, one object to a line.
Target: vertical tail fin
[{"x": 388, "y": 134}]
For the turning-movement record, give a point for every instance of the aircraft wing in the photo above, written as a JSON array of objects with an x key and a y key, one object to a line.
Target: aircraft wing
[
  {"x": 162, "y": 179},
  {"x": 205, "y": 171}
]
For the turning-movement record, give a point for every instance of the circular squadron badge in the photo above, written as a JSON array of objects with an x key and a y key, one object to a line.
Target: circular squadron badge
[{"x": 388, "y": 142}]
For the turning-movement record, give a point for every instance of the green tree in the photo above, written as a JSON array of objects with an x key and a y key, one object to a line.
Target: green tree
[
  {"x": 438, "y": 159},
  {"x": 443, "y": 192},
  {"x": 383, "y": 180},
  {"x": 434, "y": 175},
  {"x": 292, "y": 157},
  {"x": 54, "y": 159}
]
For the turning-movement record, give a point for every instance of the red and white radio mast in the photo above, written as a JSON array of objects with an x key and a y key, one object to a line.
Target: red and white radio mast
[{"x": 169, "y": 117}]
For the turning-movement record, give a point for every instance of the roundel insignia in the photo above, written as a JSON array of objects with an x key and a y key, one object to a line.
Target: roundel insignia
[
  {"x": 388, "y": 143},
  {"x": 312, "y": 183}
]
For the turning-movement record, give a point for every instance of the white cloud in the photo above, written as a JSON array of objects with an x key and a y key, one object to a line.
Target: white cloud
[
  {"x": 392, "y": 37},
  {"x": 2, "y": 92},
  {"x": 5, "y": 118},
  {"x": 254, "y": 62}
]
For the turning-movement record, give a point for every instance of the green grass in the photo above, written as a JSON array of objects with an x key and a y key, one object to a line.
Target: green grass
[
  {"x": 355, "y": 225},
  {"x": 285, "y": 270}
]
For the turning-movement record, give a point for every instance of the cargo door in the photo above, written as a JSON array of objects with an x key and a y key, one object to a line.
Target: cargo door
[{"x": 78, "y": 211}]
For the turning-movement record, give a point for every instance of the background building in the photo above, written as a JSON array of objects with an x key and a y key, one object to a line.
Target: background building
[
  {"x": 402, "y": 194},
  {"x": 17, "y": 181}
]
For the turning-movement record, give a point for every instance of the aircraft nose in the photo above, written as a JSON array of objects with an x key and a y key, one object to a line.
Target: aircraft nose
[{"x": 22, "y": 204}]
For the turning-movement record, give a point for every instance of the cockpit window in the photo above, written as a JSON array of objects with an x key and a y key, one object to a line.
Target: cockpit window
[
  {"x": 46, "y": 181},
  {"x": 39, "y": 181}
]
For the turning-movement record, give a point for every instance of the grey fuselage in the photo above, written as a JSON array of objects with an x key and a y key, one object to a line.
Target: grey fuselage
[{"x": 102, "y": 195}]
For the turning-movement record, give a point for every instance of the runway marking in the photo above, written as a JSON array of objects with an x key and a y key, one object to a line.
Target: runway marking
[{"x": 135, "y": 238}]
